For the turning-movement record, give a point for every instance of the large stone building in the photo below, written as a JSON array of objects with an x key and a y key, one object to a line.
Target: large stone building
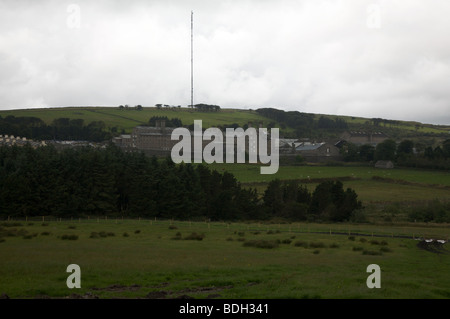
[
  {"x": 361, "y": 137},
  {"x": 153, "y": 140},
  {"x": 318, "y": 152}
]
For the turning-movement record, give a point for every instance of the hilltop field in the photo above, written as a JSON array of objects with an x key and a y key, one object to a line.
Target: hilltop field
[{"x": 125, "y": 120}]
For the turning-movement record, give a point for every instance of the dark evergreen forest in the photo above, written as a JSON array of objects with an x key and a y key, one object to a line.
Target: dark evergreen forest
[{"x": 90, "y": 181}]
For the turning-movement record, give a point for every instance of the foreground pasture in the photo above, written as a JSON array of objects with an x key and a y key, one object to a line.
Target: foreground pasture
[{"x": 165, "y": 259}]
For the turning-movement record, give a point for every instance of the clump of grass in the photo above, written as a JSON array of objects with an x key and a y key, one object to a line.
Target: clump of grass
[
  {"x": 374, "y": 242},
  {"x": 371, "y": 252},
  {"x": 385, "y": 249},
  {"x": 27, "y": 236},
  {"x": 72, "y": 227},
  {"x": 195, "y": 236},
  {"x": 242, "y": 234},
  {"x": 177, "y": 236},
  {"x": 270, "y": 232},
  {"x": 241, "y": 239},
  {"x": 94, "y": 235},
  {"x": 44, "y": 224},
  {"x": 229, "y": 239},
  {"x": 316, "y": 252},
  {"x": 334, "y": 245},
  {"x": 69, "y": 237},
  {"x": 30, "y": 224},
  {"x": 173, "y": 227},
  {"x": 256, "y": 233},
  {"x": 358, "y": 248},
  {"x": 363, "y": 240},
  {"x": 267, "y": 244},
  {"x": 2, "y": 240},
  {"x": 301, "y": 243},
  {"x": 317, "y": 245},
  {"x": 102, "y": 234},
  {"x": 125, "y": 234},
  {"x": 286, "y": 241},
  {"x": 352, "y": 238},
  {"x": 11, "y": 224},
  {"x": 383, "y": 243},
  {"x": 45, "y": 233},
  {"x": 293, "y": 237},
  {"x": 137, "y": 231}
]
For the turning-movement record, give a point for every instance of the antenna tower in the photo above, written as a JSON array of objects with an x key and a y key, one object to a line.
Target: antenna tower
[{"x": 192, "y": 59}]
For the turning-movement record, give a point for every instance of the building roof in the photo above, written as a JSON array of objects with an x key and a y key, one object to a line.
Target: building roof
[{"x": 308, "y": 146}]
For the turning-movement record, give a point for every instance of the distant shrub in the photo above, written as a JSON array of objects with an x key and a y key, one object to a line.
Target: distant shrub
[
  {"x": 137, "y": 231},
  {"x": 363, "y": 240},
  {"x": 94, "y": 235},
  {"x": 44, "y": 224},
  {"x": 315, "y": 252},
  {"x": 383, "y": 243},
  {"x": 45, "y": 233},
  {"x": 358, "y": 248},
  {"x": 256, "y": 233},
  {"x": 27, "y": 237},
  {"x": 195, "y": 236},
  {"x": 69, "y": 237},
  {"x": 286, "y": 241},
  {"x": 334, "y": 245},
  {"x": 267, "y": 244},
  {"x": 352, "y": 238},
  {"x": 72, "y": 227},
  {"x": 374, "y": 242},
  {"x": 173, "y": 227},
  {"x": 2, "y": 240},
  {"x": 30, "y": 224},
  {"x": 125, "y": 234}
]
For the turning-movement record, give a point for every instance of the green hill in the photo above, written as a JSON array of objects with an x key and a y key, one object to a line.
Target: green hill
[{"x": 124, "y": 120}]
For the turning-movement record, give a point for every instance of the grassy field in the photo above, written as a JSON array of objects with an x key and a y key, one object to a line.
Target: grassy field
[
  {"x": 153, "y": 261},
  {"x": 128, "y": 119}
]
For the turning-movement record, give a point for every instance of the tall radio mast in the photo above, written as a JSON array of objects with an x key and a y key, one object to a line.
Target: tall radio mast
[{"x": 192, "y": 59}]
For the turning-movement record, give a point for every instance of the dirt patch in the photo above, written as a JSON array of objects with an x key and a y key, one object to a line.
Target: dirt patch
[
  {"x": 87, "y": 295},
  {"x": 119, "y": 288},
  {"x": 187, "y": 293},
  {"x": 433, "y": 247}
]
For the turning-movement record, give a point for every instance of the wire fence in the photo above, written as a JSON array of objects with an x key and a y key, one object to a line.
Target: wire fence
[{"x": 409, "y": 231}]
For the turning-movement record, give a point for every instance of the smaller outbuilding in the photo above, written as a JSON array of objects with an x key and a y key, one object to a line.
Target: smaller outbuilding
[{"x": 384, "y": 164}]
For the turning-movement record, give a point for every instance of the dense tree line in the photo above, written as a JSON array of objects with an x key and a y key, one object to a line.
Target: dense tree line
[
  {"x": 59, "y": 129},
  {"x": 207, "y": 107},
  {"x": 109, "y": 182},
  {"x": 332, "y": 124},
  {"x": 328, "y": 202},
  {"x": 303, "y": 123},
  {"x": 403, "y": 153}
]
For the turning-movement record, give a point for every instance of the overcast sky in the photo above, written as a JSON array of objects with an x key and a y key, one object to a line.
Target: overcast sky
[{"x": 375, "y": 58}]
